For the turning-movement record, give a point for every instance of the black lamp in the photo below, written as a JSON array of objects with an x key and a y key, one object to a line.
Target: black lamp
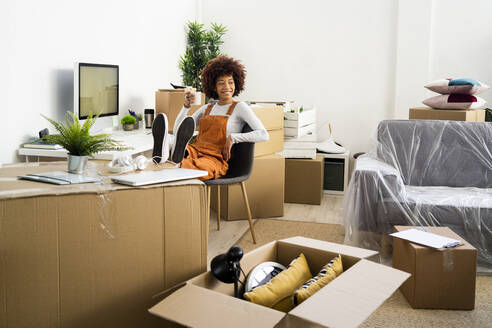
[{"x": 226, "y": 267}]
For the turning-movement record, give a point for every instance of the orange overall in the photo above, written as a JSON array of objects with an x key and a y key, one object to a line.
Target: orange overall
[{"x": 206, "y": 152}]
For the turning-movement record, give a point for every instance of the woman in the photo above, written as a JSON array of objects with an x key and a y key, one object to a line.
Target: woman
[{"x": 220, "y": 123}]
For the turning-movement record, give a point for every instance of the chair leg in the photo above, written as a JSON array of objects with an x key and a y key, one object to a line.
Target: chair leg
[
  {"x": 250, "y": 219},
  {"x": 208, "y": 212},
  {"x": 218, "y": 207}
]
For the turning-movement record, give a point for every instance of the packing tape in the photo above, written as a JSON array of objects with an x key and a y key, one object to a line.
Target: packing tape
[
  {"x": 105, "y": 213},
  {"x": 447, "y": 260}
]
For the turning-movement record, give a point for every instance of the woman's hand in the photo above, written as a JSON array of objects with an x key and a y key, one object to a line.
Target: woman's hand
[
  {"x": 189, "y": 99},
  {"x": 226, "y": 151}
]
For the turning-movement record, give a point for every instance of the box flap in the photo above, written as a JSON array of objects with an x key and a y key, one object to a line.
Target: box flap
[
  {"x": 351, "y": 298},
  {"x": 194, "y": 306},
  {"x": 330, "y": 247}
]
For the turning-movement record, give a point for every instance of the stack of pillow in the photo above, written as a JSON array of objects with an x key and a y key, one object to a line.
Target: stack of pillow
[
  {"x": 294, "y": 285},
  {"x": 456, "y": 94}
]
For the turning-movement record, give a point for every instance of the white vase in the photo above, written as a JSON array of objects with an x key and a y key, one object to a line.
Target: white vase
[{"x": 77, "y": 164}]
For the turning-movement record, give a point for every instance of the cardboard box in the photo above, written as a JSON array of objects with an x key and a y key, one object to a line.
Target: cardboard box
[
  {"x": 170, "y": 102},
  {"x": 271, "y": 116},
  {"x": 94, "y": 255},
  {"x": 440, "y": 279},
  {"x": 427, "y": 113},
  {"x": 345, "y": 302},
  {"x": 274, "y": 144},
  {"x": 265, "y": 189},
  {"x": 304, "y": 180}
]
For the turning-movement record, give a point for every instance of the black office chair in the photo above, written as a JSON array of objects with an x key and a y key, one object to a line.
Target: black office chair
[{"x": 240, "y": 167}]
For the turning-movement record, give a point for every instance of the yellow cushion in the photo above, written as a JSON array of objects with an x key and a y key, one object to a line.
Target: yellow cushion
[
  {"x": 277, "y": 293},
  {"x": 327, "y": 274}
]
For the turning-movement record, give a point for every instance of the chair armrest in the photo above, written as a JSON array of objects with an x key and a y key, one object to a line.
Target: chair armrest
[
  {"x": 386, "y": 179},
  {"x": 372, "y": 183}
]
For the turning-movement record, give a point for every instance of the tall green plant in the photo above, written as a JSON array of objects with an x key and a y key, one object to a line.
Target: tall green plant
[
  {"x": 75, "y": 137},
  {"x": 202, "y": 45}
]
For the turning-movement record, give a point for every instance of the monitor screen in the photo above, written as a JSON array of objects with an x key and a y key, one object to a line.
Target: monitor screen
[{"x": 98, "y": 90}]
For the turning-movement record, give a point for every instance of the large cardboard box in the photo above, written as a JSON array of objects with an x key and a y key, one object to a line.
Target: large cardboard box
[
  {"x": 94, "y": 255},
  {"x": 274, "y": 144},
  {"x": 304, "y": 180},
  {"x": 272, "y": 117},
  {"x": 427, "y": 113},
  {"x": 170, "y": 102},
  {"x": 440, "y": 279},
  {"x": 347, "y": 301},
  {"x": 265, "y": 190}
]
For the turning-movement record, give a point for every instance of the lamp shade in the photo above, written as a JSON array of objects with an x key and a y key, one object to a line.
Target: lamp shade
[{"x": 224, "y": 266}]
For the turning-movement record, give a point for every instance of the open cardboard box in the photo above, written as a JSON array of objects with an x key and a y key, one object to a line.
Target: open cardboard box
[{"x": 347, "y": 301}]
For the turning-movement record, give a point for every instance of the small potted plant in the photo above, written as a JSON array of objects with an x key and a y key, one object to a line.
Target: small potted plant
[
  {"x": 139, "y": 121},
  {"x": 75, "y": 138},
  {"x": 128, "y": 122}
]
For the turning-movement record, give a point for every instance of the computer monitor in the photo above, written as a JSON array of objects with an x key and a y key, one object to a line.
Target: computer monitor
[{"x": 96, "y": 90}]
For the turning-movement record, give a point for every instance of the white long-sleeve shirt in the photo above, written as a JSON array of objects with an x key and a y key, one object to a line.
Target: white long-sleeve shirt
[{"x": 242, "y": 114}]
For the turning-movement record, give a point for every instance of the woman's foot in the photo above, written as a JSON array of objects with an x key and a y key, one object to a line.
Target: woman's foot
[
  {"x": 183, "y": 136},
  {"x": 160, "y": 152}
]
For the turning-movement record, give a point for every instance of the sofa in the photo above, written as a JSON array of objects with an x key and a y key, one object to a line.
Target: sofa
[{"x": 423, "y": 173}]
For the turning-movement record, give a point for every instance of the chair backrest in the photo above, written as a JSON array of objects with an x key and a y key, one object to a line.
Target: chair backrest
[
  {"x": 242, "y": 155},
  {"x": 438, "y": 153}
]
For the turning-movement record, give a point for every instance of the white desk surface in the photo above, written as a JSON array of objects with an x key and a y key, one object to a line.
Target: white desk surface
[{"x": 140, "y": 141}]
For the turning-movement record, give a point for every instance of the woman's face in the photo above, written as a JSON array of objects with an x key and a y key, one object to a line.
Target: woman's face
[{"x": 225, "y": 87}]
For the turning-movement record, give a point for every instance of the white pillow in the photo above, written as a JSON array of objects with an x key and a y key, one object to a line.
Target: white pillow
[
  {"x": 455, "y": 101},
  {"x": 463, "y": 86}
]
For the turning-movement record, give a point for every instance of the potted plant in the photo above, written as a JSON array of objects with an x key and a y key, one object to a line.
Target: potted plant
[
  {"x": 202, "y": 45},
  {"x": 488, "y": 115},
  {"x": 75, "y": 138},
  {"x": 128, "y": 122},
  {"x": 139, "y": 124}
]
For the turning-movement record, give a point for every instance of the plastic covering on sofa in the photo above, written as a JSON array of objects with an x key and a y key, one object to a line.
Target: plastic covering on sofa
[{"x": 423, "y": 173}]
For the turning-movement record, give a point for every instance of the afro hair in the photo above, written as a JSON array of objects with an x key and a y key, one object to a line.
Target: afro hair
[{"x": 218, "y": 67}]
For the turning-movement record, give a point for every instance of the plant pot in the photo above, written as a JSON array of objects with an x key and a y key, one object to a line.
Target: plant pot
[
  {"x": 77, "y": 164},
  {"x": 128, "y": 127}
]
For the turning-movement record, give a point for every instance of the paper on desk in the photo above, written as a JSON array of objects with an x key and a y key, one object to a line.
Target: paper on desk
[{"x": 426, "y": 238}]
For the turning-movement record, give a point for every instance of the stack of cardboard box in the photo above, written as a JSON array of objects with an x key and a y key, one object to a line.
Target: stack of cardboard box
[
  {"x": 300, "y": 133},
  {"x": 265, "y": 187}
]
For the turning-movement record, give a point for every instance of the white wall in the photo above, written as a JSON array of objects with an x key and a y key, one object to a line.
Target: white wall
[
  {"x": 358, "y": 61},
  {"x": 42, "y": 39},
  {"x": 461, "y": 41},
  {"x": 337, "y": 55}
]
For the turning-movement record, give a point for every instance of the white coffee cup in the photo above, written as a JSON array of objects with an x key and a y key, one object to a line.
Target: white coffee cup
[{"x": 198, "y": 95}]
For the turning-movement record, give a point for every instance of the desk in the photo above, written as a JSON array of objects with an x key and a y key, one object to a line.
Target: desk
[
  {"x": 140, "y": 141},
  {"x": 94, "y": 255}
]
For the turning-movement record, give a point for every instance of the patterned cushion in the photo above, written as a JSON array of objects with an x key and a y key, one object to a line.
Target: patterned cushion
[
  {"x": 455, "y": 101},
  {"x": 277, "y": 293},
  {"x": 462, "y": 86},
  {"x": 329, "y": 272}
]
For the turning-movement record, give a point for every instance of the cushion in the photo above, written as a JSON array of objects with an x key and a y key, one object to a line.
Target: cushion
[
  {"x": 455, "y": 101},
  {"x": 277, "y": 293},
  {"x": 329, "y": 272},
  {"x": 462, "y": 86}
]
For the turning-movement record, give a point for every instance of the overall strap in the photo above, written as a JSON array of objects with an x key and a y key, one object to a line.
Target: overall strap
[
  {"x": 209, "y": 108},
  {"x": 231, "y": 108}
]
